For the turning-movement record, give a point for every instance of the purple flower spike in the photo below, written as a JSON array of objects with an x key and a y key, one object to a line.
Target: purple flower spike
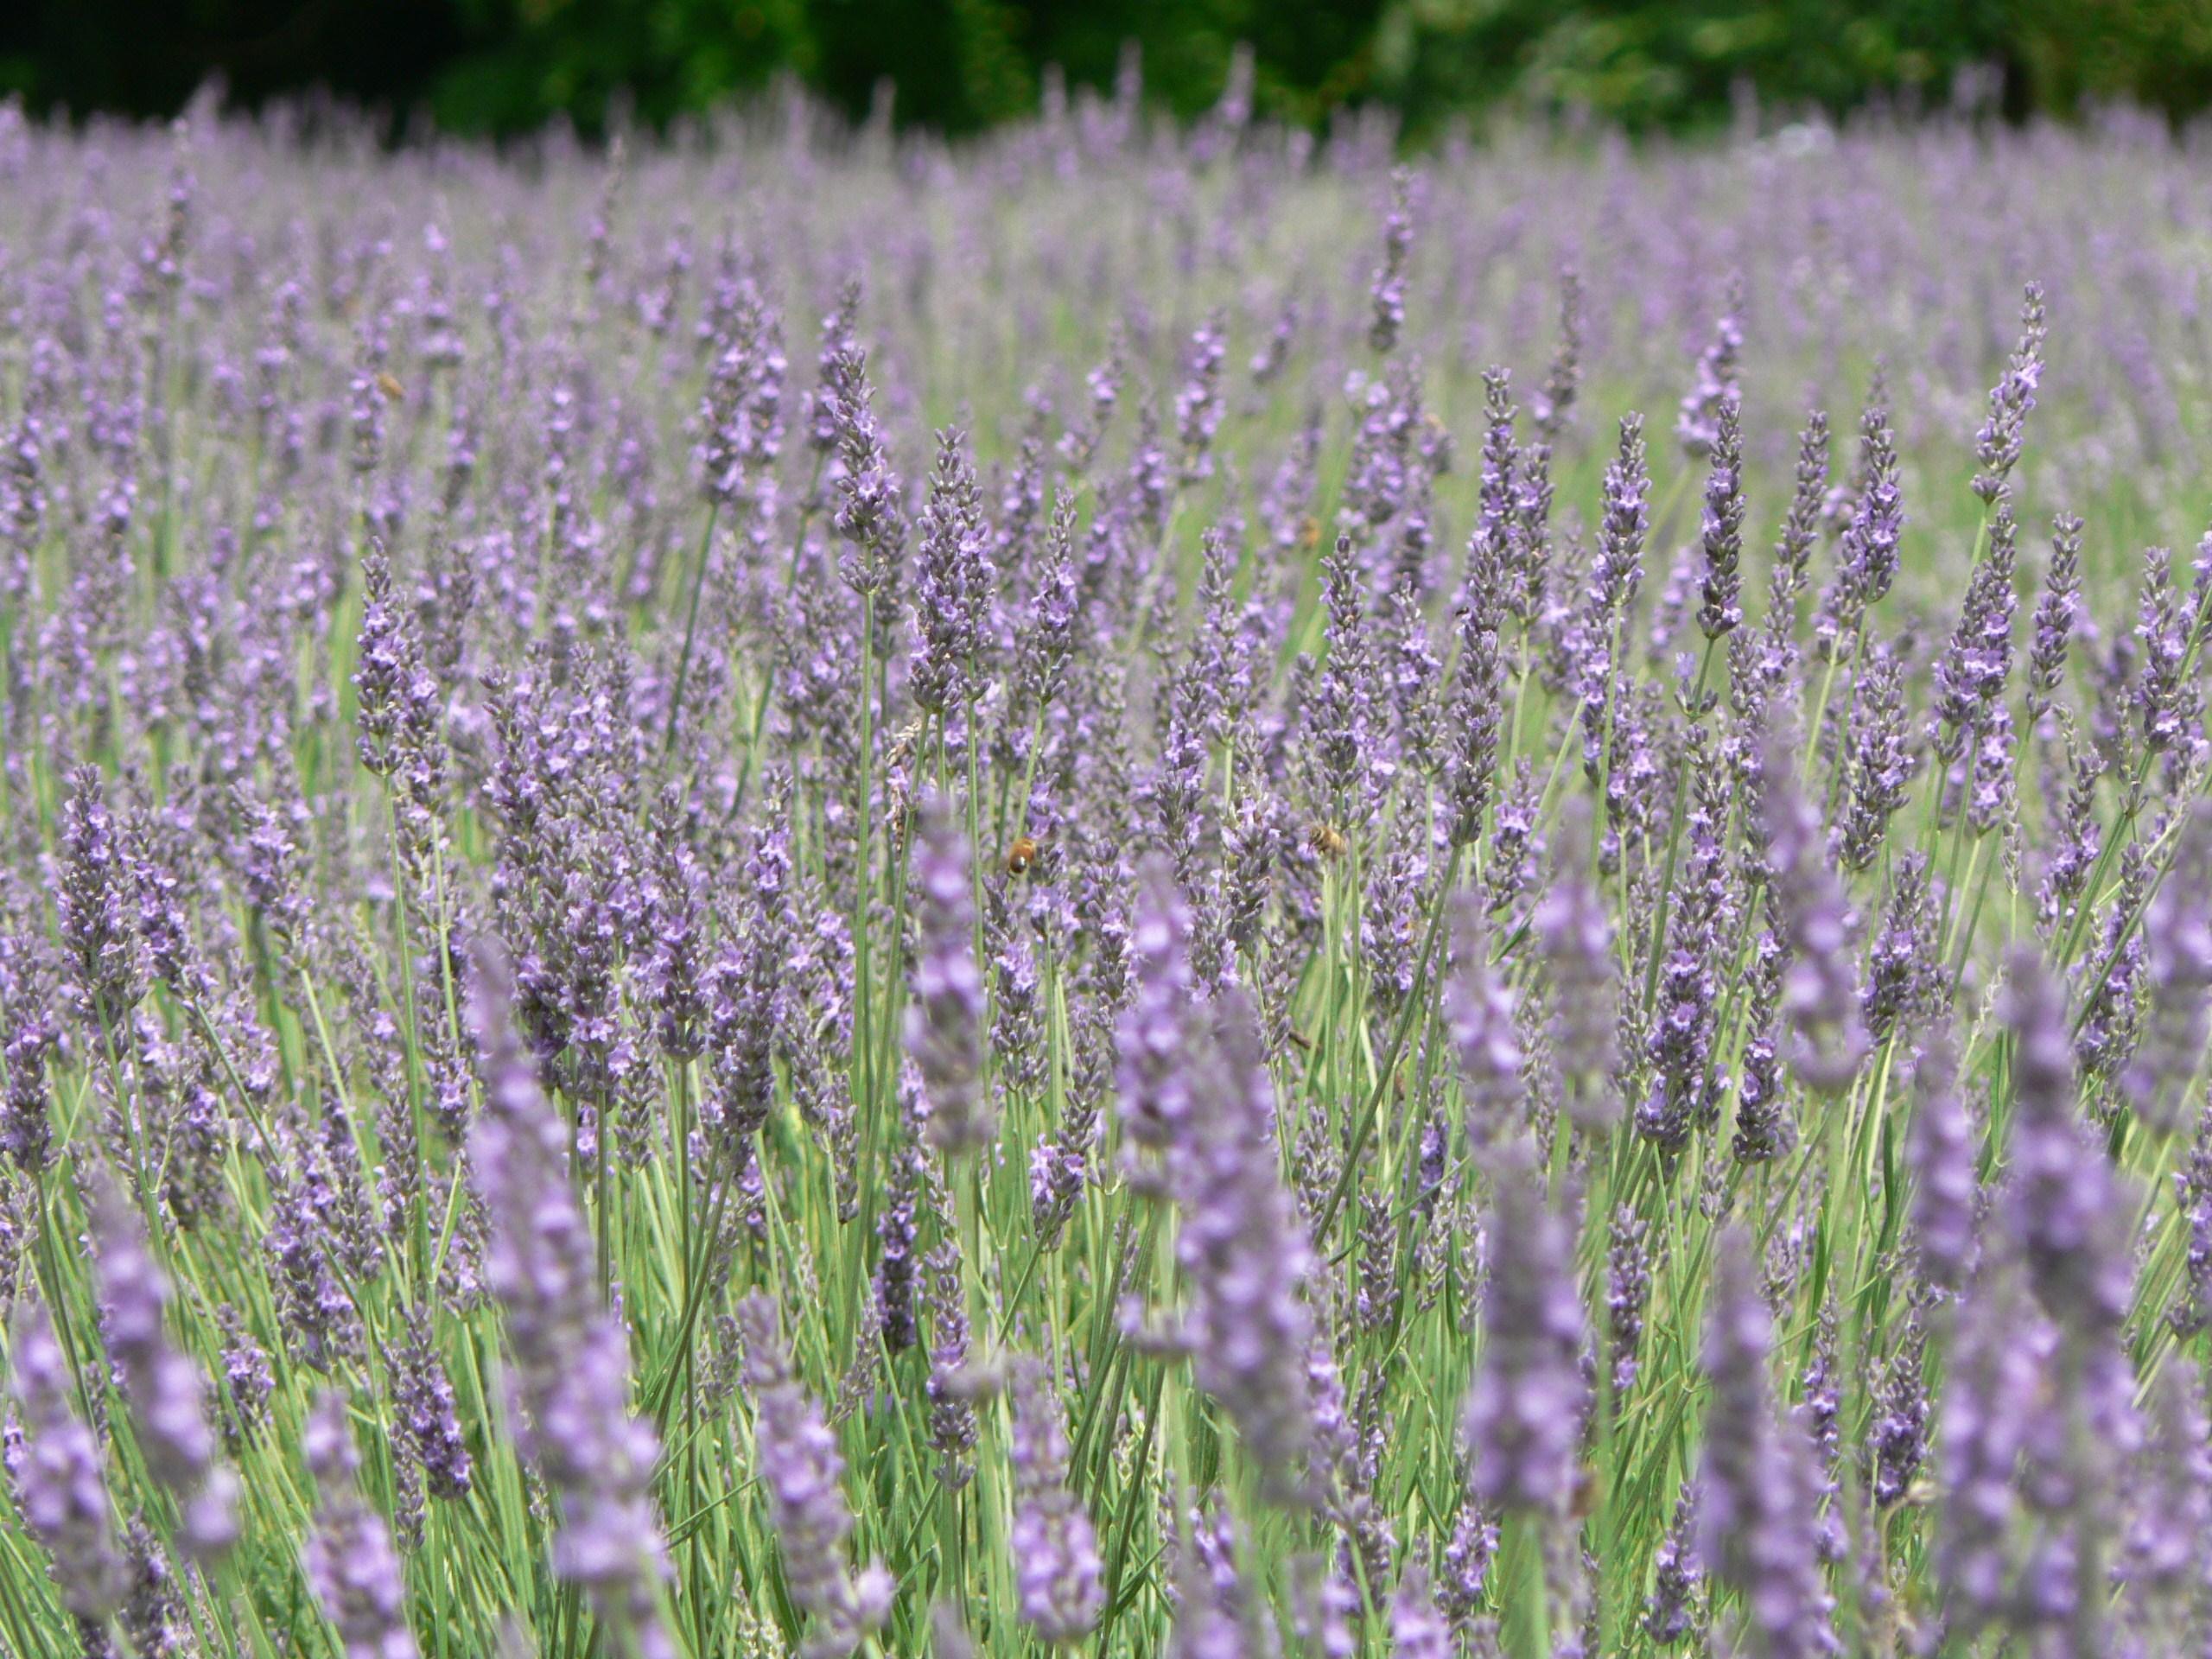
[
  {"x": 55, "y": 1473},
  {"x": 2168, "y": 1551},
  {"x": 2066, "y": 1208},
  {"x": 944, "y": 1020},
  {"x": 349, "y": 1559},
  {"x": 167, "y": 1392},
  {"x": 1998, "y": 444},
  {"x": 1758, "y": 1492},
  {"x": 1699, "y": 422},
  {"x": 1417, "y": 1629},
  {"x": 2056, "y": 617},
  {"x": 1247, "y": 1258},
  {"x": 1058, "y": 1575},
  {"x": 1940, "y": 1152},
  {"x": 801, "y": 1470},
  {"x": 1723, "y": 541},
  {"x": 954, "y": 585},
  {"x": 1576, "y": 936},
  {"x": 1524, "y": 1413},
  {"x": 1820, "y": 994},
  {"x": 1478, "y": 1013},
  {"x": 570, "y": 1373},
  {"x": 93, "y": 903},
  {"x": 2177, "y": 948},
  {"x": 1153, "y": 1079},
  {"x": 1389, "y": 285}
]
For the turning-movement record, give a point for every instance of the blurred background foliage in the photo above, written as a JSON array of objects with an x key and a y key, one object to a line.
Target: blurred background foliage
[{"x": 959, "y": 65}]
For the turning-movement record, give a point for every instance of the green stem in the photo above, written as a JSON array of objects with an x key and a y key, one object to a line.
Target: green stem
[{"x": 690, "y": 627}]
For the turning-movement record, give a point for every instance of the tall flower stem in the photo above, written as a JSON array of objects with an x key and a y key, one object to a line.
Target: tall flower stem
[{"x": 690, "y": 627}]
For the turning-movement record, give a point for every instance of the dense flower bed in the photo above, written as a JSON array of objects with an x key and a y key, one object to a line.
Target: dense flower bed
[{"x": 787, "y": 895}]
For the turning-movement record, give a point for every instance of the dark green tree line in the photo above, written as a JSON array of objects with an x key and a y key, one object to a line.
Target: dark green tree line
[{"x": 960, "y": 66}]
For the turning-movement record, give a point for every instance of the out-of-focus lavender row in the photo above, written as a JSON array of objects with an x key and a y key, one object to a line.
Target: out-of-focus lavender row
[{"x": 995, "y": 268}]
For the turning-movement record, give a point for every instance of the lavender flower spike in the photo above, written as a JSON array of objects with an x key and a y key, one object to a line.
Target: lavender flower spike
[
  {"x": 2168, "y": 1551},
  {"x": 954, "y": 584},
  {"x": 1998, "y": 444},
  {"x": 57, "y": 1485},
  {"x": 427, "y": 1422},
  {"x": 1576, "y": 936},
  {"x": 2178, "y": 943},
  {"x": 1997, "y": 1376},
  {"x": 1058, "y": 1575},
  {"x": 1523, "y": 1416},
  {"x": 349, "y": 1560},
  {"x": 106, "y": 962},
  {"x": 1759, "y": 1493},
  {"x": 1677, "y": 1575},
  {"x": 2056, "y": 617},
  {"x": 1247, "y": 1258},
  {"x": 1723, "y": 542},
  {"x": 1820, "y": 994},
  {"x": 800, "y": 1468},
  {"x": 1478, "y": 1013},
  {"x": 26, "y": 1122},
  {"x": 1152, "y": 1078},
  {"x": 1698, "y": 421},
  {"x": 165, "y": 1388},
  {"x": 570, "y": 1375},
  {"x": 1940, "y": 1152},
  {"x": 2066, "y": 1207},
  {"x": 1867, "y": 556},
  {"x": 867, "y": 513},
  {"x": 944, "y": 1019},
  {"x": 1389, "y": 288},
  {"x": 1417, "y": 1629}
]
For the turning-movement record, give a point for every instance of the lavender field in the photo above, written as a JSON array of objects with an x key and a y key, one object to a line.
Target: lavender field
[{"x": 1130, "y": 891}]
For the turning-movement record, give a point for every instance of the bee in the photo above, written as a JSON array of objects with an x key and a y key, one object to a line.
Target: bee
[
  {"x": 902, "y": 808},
  {"x": 1022, "y": 855},
  {"x": 1309, "y": 531},
  {"x": 388, "y": 384},
  {"x": 1586, "y": 1493},
  {"x": 1328, "y": 841}
]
